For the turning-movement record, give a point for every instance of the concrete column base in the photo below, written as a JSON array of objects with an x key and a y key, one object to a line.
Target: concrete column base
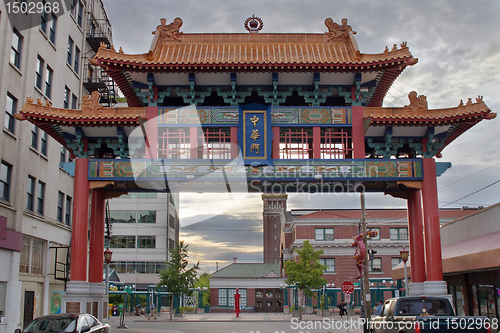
[
  {"x": 97, "y": 288},
  {"x": 77, "y": 288},
  {"x": 435, "y": 288},
  {"x": 416, "y": 289},
  {"x": 96, "y": 305}
]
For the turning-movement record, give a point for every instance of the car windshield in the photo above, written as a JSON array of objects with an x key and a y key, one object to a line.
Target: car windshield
[
  {"x": 51, "y": 325},
  {"x": 417, "y": 307}
]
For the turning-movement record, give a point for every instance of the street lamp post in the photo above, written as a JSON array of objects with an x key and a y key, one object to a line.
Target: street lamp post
[
  {"x": 404, "y": 257},
  {"x": 107, "y": 258}
]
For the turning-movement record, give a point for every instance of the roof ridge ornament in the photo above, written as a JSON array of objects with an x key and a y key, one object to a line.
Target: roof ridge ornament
[
  {"x": 336, "y": 31},
  {"x": 169, "y": 32},
  {"x": 418, "y": 103},
  {"x": 253, "y": 24},
  {"x": 91, "y": 105}
]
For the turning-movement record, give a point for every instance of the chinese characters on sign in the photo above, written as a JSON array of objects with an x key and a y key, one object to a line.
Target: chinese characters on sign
[{"x": 255, "y": 134}]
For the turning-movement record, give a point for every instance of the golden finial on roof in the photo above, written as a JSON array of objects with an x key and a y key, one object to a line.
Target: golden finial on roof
[
  {"x": 29, "y": 100},
  {"x": 461, "y": 103},
  {"x": 253, "y": 24},
  {"x": 479, "y": 98},
  {"x": 121, "y": 50},
  {"x": 469, "y": 101},
  {"x": 39, "y": 101},
  {"x": 418, "y": 103},
  {"x": 403, "y": 44},
  {"x": 47, "y": 103},
  {"x": 394, "y": 47},
  {"x": 386, "y": 49},
  {"x": 103, "y": 45},
  {"x": 112, "y": 48}
]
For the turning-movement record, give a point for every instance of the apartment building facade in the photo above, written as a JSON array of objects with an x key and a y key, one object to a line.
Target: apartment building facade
[{"x": 46, "y": 63}]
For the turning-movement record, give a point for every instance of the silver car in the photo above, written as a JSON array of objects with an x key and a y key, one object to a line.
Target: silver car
[{"x": 67, "y": 323}]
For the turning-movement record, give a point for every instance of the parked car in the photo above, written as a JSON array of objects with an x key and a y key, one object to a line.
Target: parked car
[
  {"x": 67, "y": 323},
  {"x": 424, "y": 314}
]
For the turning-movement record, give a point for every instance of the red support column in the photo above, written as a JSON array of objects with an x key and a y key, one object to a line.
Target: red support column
[
  {"x": 193, "y": 142},
  {"x": 358, "y": 132},
  {"x": 416, "y": 230},
  {"x": 316, "y": 142},
  {"x": 434, "y": 264},
  {"x": 276, "y": 143},
  {"x": 234, "y": 142},
  {"x": 80, "y": 221},
  {"x": 152, "y": 132},
  {"x": 96, "y": 248}
]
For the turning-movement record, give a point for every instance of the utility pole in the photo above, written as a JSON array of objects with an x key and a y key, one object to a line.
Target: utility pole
[{"x": 366, "y": 279}]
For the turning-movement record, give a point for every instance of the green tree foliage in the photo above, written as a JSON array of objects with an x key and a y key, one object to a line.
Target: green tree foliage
[
  {"x": 178, "y": 277},
  {"x": 307, "y": 273},
  {"x": 204, "y": 281}
]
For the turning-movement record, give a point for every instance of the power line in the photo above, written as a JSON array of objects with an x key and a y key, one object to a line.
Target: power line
[
  {"x": 469, "y": 176},
  {"x": 468, "y": 195}
]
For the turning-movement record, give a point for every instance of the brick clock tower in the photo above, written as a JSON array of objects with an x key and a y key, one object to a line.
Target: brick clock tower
[{"x": 273, "y": 205}]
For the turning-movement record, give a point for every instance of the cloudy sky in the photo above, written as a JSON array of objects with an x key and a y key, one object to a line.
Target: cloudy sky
[{"x": 458, "y": 47}]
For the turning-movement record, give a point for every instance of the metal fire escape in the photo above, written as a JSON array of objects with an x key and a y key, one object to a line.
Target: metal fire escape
[{"x": 95, "y": 79}]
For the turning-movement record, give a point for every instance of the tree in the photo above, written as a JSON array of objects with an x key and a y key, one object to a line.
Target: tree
[
  {"x": 177, "y": 277},
  {"x": 306, "y": 273},
  {"x": 204, "y": 281}
]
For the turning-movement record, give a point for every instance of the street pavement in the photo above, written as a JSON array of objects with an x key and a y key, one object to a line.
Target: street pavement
[{"x": 250, "y": 323}]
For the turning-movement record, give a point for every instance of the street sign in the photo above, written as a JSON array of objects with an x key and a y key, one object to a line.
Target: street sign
[
  {"x": 347, "y": 298},
  {"x": 347, "y": 287}
]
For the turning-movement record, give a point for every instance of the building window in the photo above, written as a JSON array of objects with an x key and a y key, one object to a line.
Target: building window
[
  {"x": 24, "y": 265},
  {"x": 122, "y": 216},
  {"x": 43, "y": 143},
  {"x": 10, "y": 110},
  {"x": 171, "y": 221},
  {"x": 34, "y": 137},
  {"x": 216, "y": 144},
  {"x": 324, "y": 234},
  {"x": 67, "y": 218},
  {"x": 62, "y": 157},
  {"x": 48, "y": 82},
  {"x": 122, "y": 242},
  {"x": 171, "y": 244},
  {"x": 67, "y": 96},
  {"x": 44, "y": 19},
  {"x": 335, "y": 143},
  {"x": 32, "y": 256},
  {"x": 69, "y": 58},
  {"x": 39, "y": 72},
  {"x": 76, "y": 66},
  {"x": 375, "y": 265},
  {"x": 5, "y": 178},
  {"x": 146, "y": 242},
  {"x": 74, "y": 101},
  {"x": 31, "y": 193},
  {"x": 40, "y": 197},
  {"x": 37, "y": 257},
  {"x": 52, "y": 31},
  {"x": 147, "y": 216},
  {"x": 160, "y": 266},
  {"x": 77, "y": 11},
  {"x": 330, "y": 262},
  {"x": 395, "y": 262},
  {"x": 2, "y": 298},
  {"x": 378, "y": 233},
  {"x": 174, "y": 143},
  {"x": 399, "y": 233},
  {"x": 16, "y": 48},
  {"x": 60, "y": 206},
  {"x": 226, "y": 297},
  {"x": 146, "y": 195}
]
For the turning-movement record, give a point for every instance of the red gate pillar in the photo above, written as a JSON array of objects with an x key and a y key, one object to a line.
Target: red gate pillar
[
  {"x": 417, "y": 254},
  {"x": 358, "y": 132},
  {"x": 152, "y": 132},
  {"x": 434, "y": 265},
  {"x": 78, "y": 277},
  {"x": 237, "y": 303},
  {"x": 96, "y": 248}
]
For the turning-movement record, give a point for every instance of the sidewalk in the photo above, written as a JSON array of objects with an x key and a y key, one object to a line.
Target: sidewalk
[{"x": 223, "y": 317}]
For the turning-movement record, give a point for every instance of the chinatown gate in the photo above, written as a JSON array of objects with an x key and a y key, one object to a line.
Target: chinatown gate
[{"x": 259, "y": 112}]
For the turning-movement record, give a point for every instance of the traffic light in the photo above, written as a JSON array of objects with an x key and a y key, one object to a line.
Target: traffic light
[{"x": 371, "y": 254}]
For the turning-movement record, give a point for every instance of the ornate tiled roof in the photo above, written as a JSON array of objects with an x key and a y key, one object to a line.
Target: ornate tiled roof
[
  {"x": 92, "y": 113},
  {"x": 417, "y": 113},
  {"x": 333, "y": 51}
]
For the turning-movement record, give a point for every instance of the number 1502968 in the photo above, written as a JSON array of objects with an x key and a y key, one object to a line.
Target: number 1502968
[{"x": 33, "y": 7}]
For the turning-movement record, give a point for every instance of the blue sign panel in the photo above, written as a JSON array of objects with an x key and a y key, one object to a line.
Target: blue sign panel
[{"x": 255, "y": 135}]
